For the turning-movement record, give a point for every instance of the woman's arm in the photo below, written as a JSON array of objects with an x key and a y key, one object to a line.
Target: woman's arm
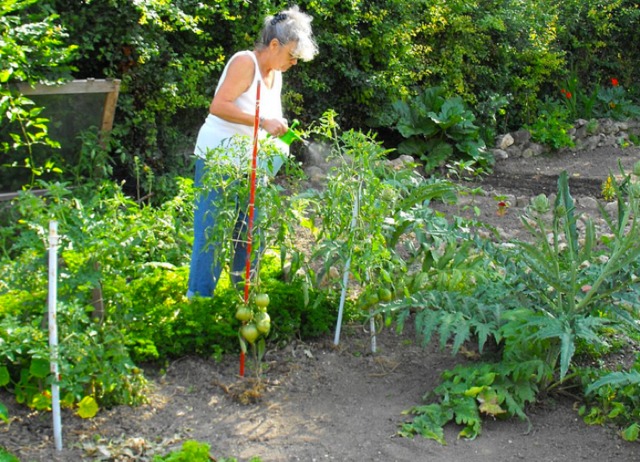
[{"x": 238, "y": 79}]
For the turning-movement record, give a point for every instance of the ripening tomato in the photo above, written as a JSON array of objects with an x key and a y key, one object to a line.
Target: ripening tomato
[
  {"x": 262, "y": 300},
  {"x": 264, "y": 327},
  {"x": 369, "y": 300},
  {"x": 249, "y": 332},
  {"x": 244, "y": 314},
  {"x": 385, "y": 294},
  {"x": 263, "y": 323}
]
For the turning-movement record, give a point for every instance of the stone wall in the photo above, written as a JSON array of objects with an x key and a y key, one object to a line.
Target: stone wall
[{"x": 585, "y": 134}]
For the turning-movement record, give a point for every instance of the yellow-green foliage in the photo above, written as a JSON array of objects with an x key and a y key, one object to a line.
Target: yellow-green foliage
[{"x": 608, "y": 191}]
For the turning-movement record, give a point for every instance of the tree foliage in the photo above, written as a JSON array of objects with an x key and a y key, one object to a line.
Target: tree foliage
[{"x": 170, "y": 54}]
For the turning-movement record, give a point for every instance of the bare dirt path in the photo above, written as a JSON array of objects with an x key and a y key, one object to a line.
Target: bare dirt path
[{"x": 320, "y": 403}]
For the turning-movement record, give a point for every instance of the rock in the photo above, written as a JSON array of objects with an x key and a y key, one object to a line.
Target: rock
[
  {"x": 609, "y": 140},
  {"x": 521, "y": 137},
  {"x": 407, "y": 159},
  {"x": 588, "y": 203},
  {"x": 514, "y": 151},
  {"x": 607, "y": 126},
  {"x": 522, "y": 201},
  {"x": 612, "y": 208},
  {"x": 588, "y": 143},
  {"x": 533, "y": 150},
  {"x": 586, "y": 134},
  {"x": 499, "y": 154},
  {"x": 580, "y": 132},
  {"x": 505, "y": 141}
]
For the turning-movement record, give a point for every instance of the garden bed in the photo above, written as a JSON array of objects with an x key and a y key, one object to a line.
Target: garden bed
[{"x": 322, "y": 402}]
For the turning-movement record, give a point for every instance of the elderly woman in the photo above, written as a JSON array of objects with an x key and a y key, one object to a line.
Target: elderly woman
[{"x": 285, "y": 38}]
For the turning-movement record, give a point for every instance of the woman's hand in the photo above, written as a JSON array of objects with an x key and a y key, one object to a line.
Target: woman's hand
[{"x": 275, "y": 127}]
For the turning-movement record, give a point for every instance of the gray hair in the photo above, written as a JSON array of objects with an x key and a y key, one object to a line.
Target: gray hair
[{"x": 290, "y": 25}]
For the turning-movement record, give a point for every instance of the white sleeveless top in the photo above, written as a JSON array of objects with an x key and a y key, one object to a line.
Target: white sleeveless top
[{"x": 215, "y": 130}]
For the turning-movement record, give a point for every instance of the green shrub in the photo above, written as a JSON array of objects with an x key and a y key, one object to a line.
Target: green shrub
[
  {"x": 551, "y": 126},
  {"x": 33, "y": 50},
  {"x": 438, "y": 129}
]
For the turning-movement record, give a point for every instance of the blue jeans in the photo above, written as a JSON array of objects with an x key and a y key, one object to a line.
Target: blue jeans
[{"x": 204, "y": 272}]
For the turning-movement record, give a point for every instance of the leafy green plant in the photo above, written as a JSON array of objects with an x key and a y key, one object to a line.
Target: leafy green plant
[
  {"x": 437, "y": 128},
  {"x": 25, "y": 356},
  {"x": 94, "y": 362},
  {"x": 100, "y": 238},
  {"x": 195, "y": 451},
  {"x": 548, "y": 297},
  {"x": 7, "y": 456},
  {"x": 468, "y": 393},
  {"x": 578, "y": 102},
  {"x": 613, "y": 397},
  {"x": 190, "y": 451},
  {"x": 614, "y": 102},
  {"x": 354, "y": 191},
  {"x": 607, "y": 190},
  {"x": 568, "y": 279},
  {"x": 33, "y": 49},
  {"x": 491, "y": 111},
  {"x": 551, "y": 126},
  {"x": 362, "y": 217}
]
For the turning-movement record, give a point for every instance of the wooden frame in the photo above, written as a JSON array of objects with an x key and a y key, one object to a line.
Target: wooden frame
[{"x": 110, "y": 87}]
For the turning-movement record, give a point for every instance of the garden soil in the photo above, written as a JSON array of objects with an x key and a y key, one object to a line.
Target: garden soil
[{"x": 322, "y": 402}]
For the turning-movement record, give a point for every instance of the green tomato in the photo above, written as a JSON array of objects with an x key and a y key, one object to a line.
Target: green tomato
[
  {"x": 369, "y": 300},
  {"x": 263, "y": 323},
  {"x": 262, "y": 316},
  {"x": 244, "y": 314},
  {"x": 249, "y": 332},
  {"x": 385, "y": 294},
  {"x": 264, "y": 327},
  {"x": 262, "y": 300}
]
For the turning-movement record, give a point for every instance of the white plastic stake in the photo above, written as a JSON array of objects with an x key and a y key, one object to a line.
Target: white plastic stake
[
  {"x": 53, "y": 332},
  {"x": 343, "y": 294},
  {"x": 372, "y": 327},
  {"x": 347, "y": 265}
]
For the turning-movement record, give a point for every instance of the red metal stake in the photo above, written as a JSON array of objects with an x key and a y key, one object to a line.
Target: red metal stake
[{"x": 252, "y": 197}]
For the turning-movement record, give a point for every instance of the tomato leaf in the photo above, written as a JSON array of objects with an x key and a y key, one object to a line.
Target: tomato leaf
[
  {"x": 4, "y": 413},
  {"x": 4, "y": 376},
  {"x": 39, "y": 368}
]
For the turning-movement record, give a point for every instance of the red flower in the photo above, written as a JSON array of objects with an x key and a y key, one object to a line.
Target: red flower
[
  {"x": 614, "y": 81},
  {"x": 563, "y": 91},
  {"x": 568, "y": 94},
  {"x": 502, "y": 208}
]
